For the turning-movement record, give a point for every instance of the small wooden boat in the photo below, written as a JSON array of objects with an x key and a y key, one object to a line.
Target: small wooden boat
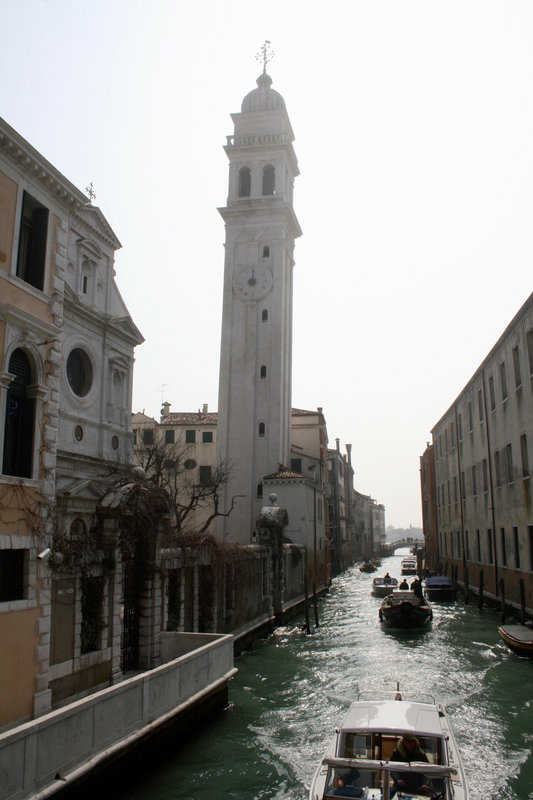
[
  {"x": 403, "y": 609},
  {"x": 357, "y": 761},
  {"x": 439, "y": 588},
  {"x": 409, "y": 566},
  {"x": 519, "y": 638},
  {"x": 367, "y": 566},
  {"x": 381, "y": 587}
]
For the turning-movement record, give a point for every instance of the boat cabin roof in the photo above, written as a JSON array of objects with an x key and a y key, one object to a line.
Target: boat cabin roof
[{"x": 394, "y": 716}]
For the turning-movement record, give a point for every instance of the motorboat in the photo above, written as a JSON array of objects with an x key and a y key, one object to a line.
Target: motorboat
[
  {"x": 409, "y": 566},
  {"x": 367, "y": 566},
  {"x": 439, "y": 588},
  {"x": 404, "y": 609},
  {"x": 357, "y": 761},
  {"x": 382, "y": 586},
  {"x": 519, "y": 638}
]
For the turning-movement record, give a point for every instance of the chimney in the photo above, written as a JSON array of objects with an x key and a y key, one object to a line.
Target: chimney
[
  {"x": 204, "y": 410},
  {"x": 349, "y": 453},
  {"x": 338, "y": 441},
  {"x": 165, "y": 410}
]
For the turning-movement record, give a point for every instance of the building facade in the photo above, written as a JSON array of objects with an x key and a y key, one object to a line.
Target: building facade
[
  {"x": 66, "y": 348},
  {"x": 481, "y": 450}
]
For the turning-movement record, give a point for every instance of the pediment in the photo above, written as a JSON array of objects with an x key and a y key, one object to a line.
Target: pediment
[
  {"x": 97, "y": 223},
  {"x": 83, "y": 487}
]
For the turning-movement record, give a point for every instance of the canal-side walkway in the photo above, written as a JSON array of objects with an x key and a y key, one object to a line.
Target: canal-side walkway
[{"x": 58, "y": 750}]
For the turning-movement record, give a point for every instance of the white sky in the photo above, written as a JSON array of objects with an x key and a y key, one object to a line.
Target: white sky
[{"x": 414, "y": 133}]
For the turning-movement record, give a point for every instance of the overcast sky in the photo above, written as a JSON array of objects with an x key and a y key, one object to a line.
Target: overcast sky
[{"x": 414, "y": 135}]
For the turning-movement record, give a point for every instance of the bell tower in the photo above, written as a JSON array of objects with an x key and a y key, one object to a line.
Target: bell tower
[{"x": 254, "y": 404}]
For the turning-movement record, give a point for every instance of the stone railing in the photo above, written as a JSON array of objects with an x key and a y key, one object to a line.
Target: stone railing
[{"x": 40, "y": 757}]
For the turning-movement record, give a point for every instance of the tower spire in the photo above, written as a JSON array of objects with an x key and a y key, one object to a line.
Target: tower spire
[{"x": 265, "y": 54}]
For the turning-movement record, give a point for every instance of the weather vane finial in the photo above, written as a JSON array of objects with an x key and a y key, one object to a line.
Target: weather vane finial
[{"x": 265, "y": 54}]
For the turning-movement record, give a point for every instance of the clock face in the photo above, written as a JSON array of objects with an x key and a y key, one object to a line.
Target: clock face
[{"x": 252, "y": 283}]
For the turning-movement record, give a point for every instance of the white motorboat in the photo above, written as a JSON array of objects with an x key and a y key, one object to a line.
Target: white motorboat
[
  {"x": 381, "y": 587},
  {"x": 409, "y": 566},
  {"x": 404, "y": 609},
  {"x": 357, "y": 762}
]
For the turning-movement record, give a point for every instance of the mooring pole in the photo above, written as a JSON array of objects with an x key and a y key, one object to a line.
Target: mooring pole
[{"x": 315, "y": 605}]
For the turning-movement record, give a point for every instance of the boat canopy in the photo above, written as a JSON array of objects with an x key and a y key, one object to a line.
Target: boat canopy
[{"x": 398, "y": 716}]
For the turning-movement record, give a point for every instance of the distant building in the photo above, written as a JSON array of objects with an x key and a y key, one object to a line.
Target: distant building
[{"x": 481, "y": 506}]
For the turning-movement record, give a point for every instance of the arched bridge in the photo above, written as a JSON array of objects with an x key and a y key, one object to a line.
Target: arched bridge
[{"x": 409, "y": 541}]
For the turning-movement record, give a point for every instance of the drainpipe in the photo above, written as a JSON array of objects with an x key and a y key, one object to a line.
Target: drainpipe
[
  {"x": 460, "y": 492},
  {"x": 491, "y": 489}
]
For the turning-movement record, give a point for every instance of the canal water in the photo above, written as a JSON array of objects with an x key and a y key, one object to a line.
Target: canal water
[{"x": 292, "y": 690}]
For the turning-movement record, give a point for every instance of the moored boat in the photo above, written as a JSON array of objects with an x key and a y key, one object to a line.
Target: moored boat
[
  {"x": 409, "y": 566},
  {"x": 404, "y": 609},
  {"x": 361, "y": 760},
  {"x": 382, "y": 586},
  {"x": 519, "y": 638},
  {"x": 439, "y": 588},
  {"x": 367, "y": 566}
]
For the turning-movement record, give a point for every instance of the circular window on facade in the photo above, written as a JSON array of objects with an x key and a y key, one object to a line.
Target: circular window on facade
[
  {"x": 78, "y": 433},
  {"x": 114, "y": 442},
  {"x": 79, "y": 372},
  {"x": 190, "y": 463}
]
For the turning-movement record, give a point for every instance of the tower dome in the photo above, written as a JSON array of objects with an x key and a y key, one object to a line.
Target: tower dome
[{"x": 263, "y": 98}]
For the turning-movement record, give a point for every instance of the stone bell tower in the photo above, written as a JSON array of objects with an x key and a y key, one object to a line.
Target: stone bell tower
[{"x": 254, "y": 405}]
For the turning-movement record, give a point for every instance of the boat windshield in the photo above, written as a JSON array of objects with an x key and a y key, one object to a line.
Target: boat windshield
[{"x": 385, "y": 784}]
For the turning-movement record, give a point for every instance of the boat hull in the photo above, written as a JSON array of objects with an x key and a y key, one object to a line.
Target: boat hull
[
  {"x": 518, "y": 638},
  {"x": 406, "y": 615},
  {"x": 440, "y": 595}
]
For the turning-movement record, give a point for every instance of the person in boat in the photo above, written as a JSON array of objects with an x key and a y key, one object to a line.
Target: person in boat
[
  {"x": 408, "y": 749},
  {"x": 347, "y": 784},
  {"x": 403, "y": 585},
  {"x": 387, "y": 578},
  {"x": 416, "y": 587}
]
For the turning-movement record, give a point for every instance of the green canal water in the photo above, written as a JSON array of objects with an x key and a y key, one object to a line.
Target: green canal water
[{"x": 292, "y": 690}]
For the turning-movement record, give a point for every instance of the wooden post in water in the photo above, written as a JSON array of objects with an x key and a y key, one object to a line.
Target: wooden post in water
[
  {"x": 502, "y": 598},
  {"x": 467, "y": 588},
  {"x": 522, "y": 601},
  {"x": 315, "y": 605},
  {"x": 307, "y": 626},
  {"x": 481, "y": 581}
]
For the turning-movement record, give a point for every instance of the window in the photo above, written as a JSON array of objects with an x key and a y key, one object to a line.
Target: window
[
  {"x": 478, "y": 542},
  {"x": 516, "y": 365},
  {"x": 148, "y": 436},
  {"x": 516, "y": 546},
  {"x": 492, "y": 394},
  {"x": 245, "y": 182},
  {"x": 169, "y": 437},
  {"x": 12, "y": 563},
  {"x": 525, "y": 459},
  {"x": 467, "y": 545},
  {"x": 460, "y": 427},
  {"x": 509, "y": 457},
  {"x": 259, "y": 493},
  {"x": 266, "y": 251},
  {"x": 261, "y": 430},
  {"x": 79, "y": 372},
  {"x": 264, "y": 315},
  {"x": 205, "y": 476},
  {"x": 503, "y": 380},
  {"x": 190, "y": 437},
  {"x": 530, "y": 535},
  {"x": 92, "y": 624},
  {"x": 84, "y": 282},
  {"x": 296, "y": 464},
  {"x": 446, "y": 440},
  {"x": 452, "y": 434},
  {"x": 504, "y": 549},
  {"x": 20, "y": 418},
  {"x": 32, "y": 242},
  {"x": 485, "y": 476},
  {"x": 470, "y": 418},
  {"x": 269, "y": 180},
  {"x": 263, "y": 372},
  {"x": 529, "y": 338},
  {"x": 498, "y": 464},
  {"x": 463, "y": 486},
  {"x": 78, "y": 528},
  {"x": 455, "y": 489},
  {"x": 480, "y": 406},
  {"x": 207, "y": 437},
  {"x": 474, "y": 482},
  {"x": 489, "y": 544}
]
